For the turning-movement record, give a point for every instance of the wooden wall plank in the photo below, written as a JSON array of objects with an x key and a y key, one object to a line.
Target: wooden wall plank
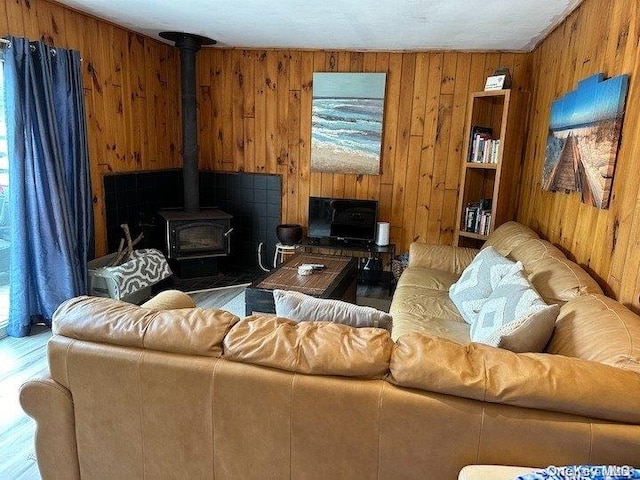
[
  {"x": 402, "y": 159},
  {"x": 238, "y": 111},
  {"x": 249, "y": 111},
  {"x": 419, "y": 94},
  {"x": 441, "y": 149},
  {"x": 13, "y": 23},
  {"x": 373, "y": 189},
  {"x": 227, "y": 108},
  {"x": 282, "y": 125},
  {"x": 205, "y": 113},
  {"x": 304, "y": 184},
  {"x": 425, "y": 173},
  {"x": 51, "y": 23},
  {"x": 138, "y": 139},
  {"x": 392, "y": 99},
  {"x": 260, "y": 113},
  {"x": 293, "y": 159},
  {"x": 30, "y": 19},
  {"x": 318, "y": 65}
]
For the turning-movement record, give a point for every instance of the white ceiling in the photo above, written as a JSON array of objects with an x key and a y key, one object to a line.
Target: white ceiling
[{"x": 343, "y": 24}]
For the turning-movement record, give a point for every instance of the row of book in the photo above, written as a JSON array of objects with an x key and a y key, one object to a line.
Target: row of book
[
  {"x": 477, "y": 217},
  {"x": 483, "y": 147}
]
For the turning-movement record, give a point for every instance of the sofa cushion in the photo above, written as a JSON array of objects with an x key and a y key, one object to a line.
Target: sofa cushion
[
  {"x": 190, "y": 331},
  {"x": 423, "y": 277},
  {"x": 598, "y": 328},
  {"x": 316, "y": 348},
  {"x": 508, "y": 236},
  {"x": 305, "y": 308},
  {"x": 530, "y": 380},
  {"x": 514, "y": 316},
  {"x": 426, "y": 310},
  {"x": 478, "y": 281}
]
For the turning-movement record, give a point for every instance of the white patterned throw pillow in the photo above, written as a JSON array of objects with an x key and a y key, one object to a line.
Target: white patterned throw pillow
[
  {"x": 299, "y": 307},
  {"x": 515, "y": 317},
  {"x": 478, "y": 281}
]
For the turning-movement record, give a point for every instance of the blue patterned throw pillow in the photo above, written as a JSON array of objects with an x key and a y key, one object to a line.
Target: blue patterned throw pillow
[{"x": 478, "y": 280}]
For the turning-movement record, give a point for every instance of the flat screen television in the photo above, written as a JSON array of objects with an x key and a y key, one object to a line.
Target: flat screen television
[{"x": 342, "y": 219}]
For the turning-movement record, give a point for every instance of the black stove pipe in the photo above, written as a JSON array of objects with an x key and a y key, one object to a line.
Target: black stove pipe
[{"x": 189, "y": 44}]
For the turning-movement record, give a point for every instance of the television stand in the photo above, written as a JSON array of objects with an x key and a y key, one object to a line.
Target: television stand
[{"x": 363, "y": 251}]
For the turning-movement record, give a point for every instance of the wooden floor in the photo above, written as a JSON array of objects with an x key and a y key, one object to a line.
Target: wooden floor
[
  {"x": 25, "y": 358},
  {"x": 20, "y": 360}
]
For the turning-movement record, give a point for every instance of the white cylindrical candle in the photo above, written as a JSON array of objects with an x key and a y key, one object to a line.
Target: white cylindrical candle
[{"x": 382, "y": 237}]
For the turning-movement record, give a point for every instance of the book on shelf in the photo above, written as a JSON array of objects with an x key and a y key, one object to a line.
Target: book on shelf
[
  {"x": 477, "y": 217},
  {"x": 483, "y": 148}
]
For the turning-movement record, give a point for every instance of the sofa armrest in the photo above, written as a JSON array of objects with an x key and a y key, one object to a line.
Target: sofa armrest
[
  {"x": 51, "y": 406},
  {"x": 441, "y": 257},
  {"x": 531, "y": 380}
]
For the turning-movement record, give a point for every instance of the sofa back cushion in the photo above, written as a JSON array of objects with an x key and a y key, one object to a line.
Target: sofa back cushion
[
  {"x": 190, "y": 331},
  {"x": 559, "y": 280},
  {"x": 556, "y": 278},
  {"x": 316, "y": 348},
  {"x": 598, "y": 328},
  {"x": 508, "y": 236},
  {"x": 533, "y": 250},
  {"x": 530, "y": 380}
]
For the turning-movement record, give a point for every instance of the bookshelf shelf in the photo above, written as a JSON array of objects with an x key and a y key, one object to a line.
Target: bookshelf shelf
[
  {"x": 475, "y": 236},
  {"x": 490, "y": 172},
  {"x": 487, "y": 166}
]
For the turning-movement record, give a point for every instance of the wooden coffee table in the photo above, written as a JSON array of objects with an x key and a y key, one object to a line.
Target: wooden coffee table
[{"x": 338, "y": 281}]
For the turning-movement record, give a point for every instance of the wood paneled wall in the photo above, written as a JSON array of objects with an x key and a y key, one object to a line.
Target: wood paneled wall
[
  {"x": 132, "y": 90},
  {"x": 597, "y": 37},
  {"x": 255, "y": 116}
]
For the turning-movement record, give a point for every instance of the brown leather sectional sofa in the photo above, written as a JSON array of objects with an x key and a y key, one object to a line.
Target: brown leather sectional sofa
[{"x": 154, "y": 392}]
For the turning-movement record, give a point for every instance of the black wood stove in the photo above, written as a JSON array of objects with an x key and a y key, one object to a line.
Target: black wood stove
[{"x": 193, "y": 236}]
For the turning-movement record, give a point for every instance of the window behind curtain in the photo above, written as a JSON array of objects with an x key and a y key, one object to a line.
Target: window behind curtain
[{"x": 4, "y": 210}]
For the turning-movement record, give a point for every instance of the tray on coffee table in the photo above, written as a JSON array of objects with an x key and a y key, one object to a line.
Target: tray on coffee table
[{"x": 337, "y": 280}]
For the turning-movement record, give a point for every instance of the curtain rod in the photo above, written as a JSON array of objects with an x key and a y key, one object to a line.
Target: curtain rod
[{"x": 8, "y": 42}]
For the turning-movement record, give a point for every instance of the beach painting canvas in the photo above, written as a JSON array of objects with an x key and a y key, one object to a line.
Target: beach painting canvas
[
  {"x": 583, "y": 138},
  {"x": 346, "y": 125}
]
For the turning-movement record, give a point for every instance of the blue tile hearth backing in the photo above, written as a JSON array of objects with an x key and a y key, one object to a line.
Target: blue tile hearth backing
[{"x": 253, "y": 199}]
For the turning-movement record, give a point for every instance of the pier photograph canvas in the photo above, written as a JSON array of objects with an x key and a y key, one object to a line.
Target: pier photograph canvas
[
  {"x": 346, "y": 125},
  {"x": 584, "y": 133}
]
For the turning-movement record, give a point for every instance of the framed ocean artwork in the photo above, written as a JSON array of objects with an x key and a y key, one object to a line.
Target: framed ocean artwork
[
  {"x": 346, "y": 124},
  {"x": 582, "y": 143}
]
